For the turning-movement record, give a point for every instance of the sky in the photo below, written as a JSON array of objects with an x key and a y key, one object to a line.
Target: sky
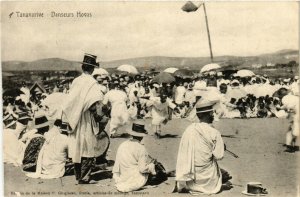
[{"x": 121, "y": 30}]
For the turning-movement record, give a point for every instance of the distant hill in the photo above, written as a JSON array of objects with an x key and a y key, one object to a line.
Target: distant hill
[
  {"x": 42, "y": 64},
  {"x": 159, "y": 62}
]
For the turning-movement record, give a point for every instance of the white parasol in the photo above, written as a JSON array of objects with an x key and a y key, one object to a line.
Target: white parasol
[
  {"x": 245, "y": 73},
  {"x": 209, "y": 67},
  {"x": 128, "y": 68},
  {"x": 170, "y": 70}
]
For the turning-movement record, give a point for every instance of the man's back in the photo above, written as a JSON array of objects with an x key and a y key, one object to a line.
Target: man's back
[
  {"x": 55, "y": 153},
  {"x": 132, "y": 166},
  {"x": 208, "y": 142},
  {"x": 78, "y": 80},
  {"x": 130, "y": 153},
  {"x": 56, "y": 145},
  {"x": 200, "y": 147}
]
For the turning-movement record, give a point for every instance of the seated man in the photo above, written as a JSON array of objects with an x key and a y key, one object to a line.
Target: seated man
[
  {"x": 133, "y": 164},
  {"x": 201, "y": 145},
  {"x": 53, "y": 155},
  {"x": 34, "y": 141}
]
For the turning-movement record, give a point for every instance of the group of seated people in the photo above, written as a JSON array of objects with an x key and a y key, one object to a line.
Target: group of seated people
[
  {"x": 243, "y": 97},
  {"x": 40, "y": 148}
]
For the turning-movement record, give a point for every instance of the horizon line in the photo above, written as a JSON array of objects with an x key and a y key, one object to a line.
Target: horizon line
[{"x": 107, "y": 61}]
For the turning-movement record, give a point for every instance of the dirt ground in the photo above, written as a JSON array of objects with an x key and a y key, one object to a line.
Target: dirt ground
[{"x": 257, "y": 142}]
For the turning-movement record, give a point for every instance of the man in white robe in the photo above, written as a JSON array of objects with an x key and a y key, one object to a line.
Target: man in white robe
[
  {"x": 159, "y": 111},
  {"x": 179, "y": 94},
  {"x": 79, "y": 110},
  {"x": 201, "y": 146},
  {"x": 119, "y": 112},
  {"x": 291, "y": 104},
  {"x": 133, "y": 164}
]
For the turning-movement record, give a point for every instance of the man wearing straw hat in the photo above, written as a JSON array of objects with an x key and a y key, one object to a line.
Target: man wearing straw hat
[
  {"x": 80, "y": 111},
  {"x": 133, "y": 164},
  {"x": 201, "y": 145},
  {"x": 34, "y": 141}
]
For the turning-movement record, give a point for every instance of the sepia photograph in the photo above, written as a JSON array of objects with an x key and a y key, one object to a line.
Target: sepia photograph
[{"x": 150, "y": 98}]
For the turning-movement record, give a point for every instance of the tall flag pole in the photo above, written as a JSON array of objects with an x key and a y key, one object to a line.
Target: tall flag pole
[
  {"x": 208, "y": 34},
  {"x": 191, "y": 7}
]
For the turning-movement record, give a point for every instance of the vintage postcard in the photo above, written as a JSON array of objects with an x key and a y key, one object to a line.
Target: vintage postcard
[{"x": 150, "y": 98}]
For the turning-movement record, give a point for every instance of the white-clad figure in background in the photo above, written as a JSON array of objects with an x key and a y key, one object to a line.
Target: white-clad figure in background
[
  {"x": 119, "y": 112},
  {"x": 160, "y": 111},
  {"x": 179, "y": 94},
  {"x": 291, "y": 104}
]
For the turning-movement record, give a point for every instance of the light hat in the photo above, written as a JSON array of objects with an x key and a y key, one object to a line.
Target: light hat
[
  {"x": 90, "y": 60},
  {"x": 204, "y": 105},
  {"x": 138, "y": 129},
  {"x": 40, "y": 121},
  {"x": 255, "y": 189}
]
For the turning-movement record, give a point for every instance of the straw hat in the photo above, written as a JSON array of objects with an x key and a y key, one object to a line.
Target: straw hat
[
  {"x": 138, "y": 129},
  {"x": 40, "y": 121},
  {"x": 255, "y": 189},
  {"x": 90, "y": 60},
  {"x": 204, "y": 105}
]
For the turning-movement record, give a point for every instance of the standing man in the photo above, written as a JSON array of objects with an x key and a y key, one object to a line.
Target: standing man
[
  {"x": 80, "y": 111},
  {"x": 119, "y": 112},
  {"x": 159, "y": 111},
  {"x": 201, "y": 145},
  {"x": 291, "y": 105}
]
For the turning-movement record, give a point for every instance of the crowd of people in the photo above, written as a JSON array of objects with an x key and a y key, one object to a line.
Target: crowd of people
[{"x": 68, "y": 128}]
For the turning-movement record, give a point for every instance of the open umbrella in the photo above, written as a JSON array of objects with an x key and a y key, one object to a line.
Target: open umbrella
[
  {"x": 100, "y": 71},
  {"x": 171, "y": 70},
  {"x": 281, "y": 93},
  {"x": 163, "y": 77},
  {"x": 128, "y": 68},
  {"x": 190, "y": 7},
  {"x": 245, "y": 73},
  {"x": 209, "y": 67},
  {"x": 184, "y": 73}
]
